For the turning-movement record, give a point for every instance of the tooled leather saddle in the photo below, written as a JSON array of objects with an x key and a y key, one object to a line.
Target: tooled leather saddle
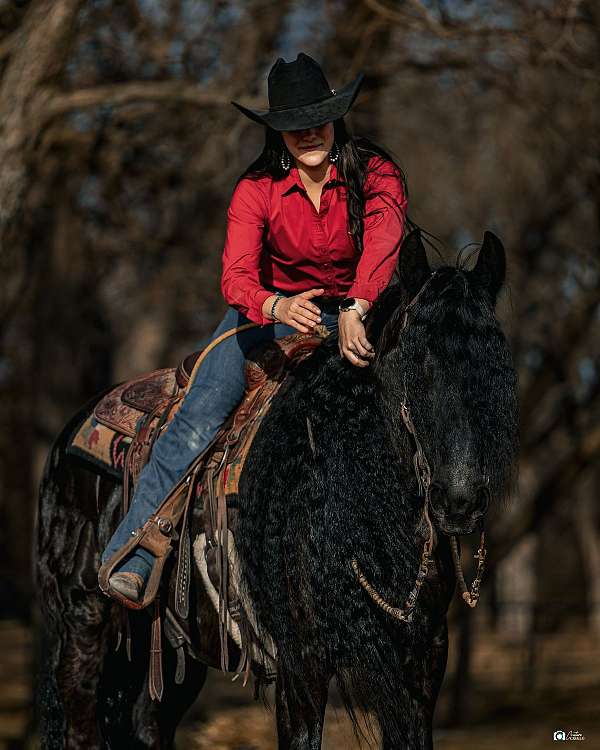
[{"x": 141, "y": 409}]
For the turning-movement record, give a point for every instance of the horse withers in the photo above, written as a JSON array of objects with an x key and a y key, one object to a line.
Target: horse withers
[{"x": 356, "y": 486}]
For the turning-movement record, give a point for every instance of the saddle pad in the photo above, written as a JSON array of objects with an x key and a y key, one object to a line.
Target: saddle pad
[{"x": 102, "y": 445}]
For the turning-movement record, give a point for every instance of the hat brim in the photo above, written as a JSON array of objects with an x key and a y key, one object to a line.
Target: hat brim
[{"x": 308, "y": 115}]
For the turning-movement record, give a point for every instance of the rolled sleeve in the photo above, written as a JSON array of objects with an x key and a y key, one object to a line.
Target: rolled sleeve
[
  {"x": 384, "y": 225},
  {"x": 240, "y": 278}
]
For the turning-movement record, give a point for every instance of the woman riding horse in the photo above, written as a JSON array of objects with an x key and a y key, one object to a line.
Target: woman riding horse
[{"x": 313, "y": 234}]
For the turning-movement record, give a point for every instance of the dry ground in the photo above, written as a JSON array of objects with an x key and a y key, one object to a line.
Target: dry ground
[{"x": 507, "y": 710}]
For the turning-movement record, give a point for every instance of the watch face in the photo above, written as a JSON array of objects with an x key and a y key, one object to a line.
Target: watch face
[{"x": 347, "y": 303}]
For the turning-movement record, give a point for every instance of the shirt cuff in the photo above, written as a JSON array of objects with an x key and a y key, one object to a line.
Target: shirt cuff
[
  {"x": 255, "y": 312},
  {"x": 369, "y": 291}
]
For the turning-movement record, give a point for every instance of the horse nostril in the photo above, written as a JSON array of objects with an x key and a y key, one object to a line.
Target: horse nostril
[
  {"x": 482, "y": 495},
  {"x": 437, "y": 494}
]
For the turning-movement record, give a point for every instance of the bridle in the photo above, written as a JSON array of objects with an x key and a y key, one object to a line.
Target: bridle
[{"x": 423, "y": 474}]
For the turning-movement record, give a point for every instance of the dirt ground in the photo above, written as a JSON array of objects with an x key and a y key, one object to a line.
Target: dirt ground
[
  {"x": 506, "y": 710},
  {"x": 509, "y": 706}
]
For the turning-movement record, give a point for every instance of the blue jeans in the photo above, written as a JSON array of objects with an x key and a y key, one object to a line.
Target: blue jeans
[{"x": 217, "y": 389}]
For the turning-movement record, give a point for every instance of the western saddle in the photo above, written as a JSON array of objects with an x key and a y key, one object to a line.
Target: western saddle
[{"x": 142, "y": 409}]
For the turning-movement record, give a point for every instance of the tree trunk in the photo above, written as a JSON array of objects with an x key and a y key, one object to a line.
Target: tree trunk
[
  {"x": 585, "y": 518},
  {"x": 37, "y": 59}
]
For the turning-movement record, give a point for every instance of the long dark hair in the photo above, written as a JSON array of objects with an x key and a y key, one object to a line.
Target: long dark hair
[{"x": 352, "y": 168}]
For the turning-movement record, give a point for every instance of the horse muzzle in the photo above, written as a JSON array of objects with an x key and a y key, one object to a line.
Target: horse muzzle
[{"x": 456, "y": 514}]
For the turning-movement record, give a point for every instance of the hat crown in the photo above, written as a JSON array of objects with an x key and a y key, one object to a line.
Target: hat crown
[{"x": 297, "y": 83}]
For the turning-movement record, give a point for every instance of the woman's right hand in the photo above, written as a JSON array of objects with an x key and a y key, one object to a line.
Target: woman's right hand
[{"x": 297, "y": 311}]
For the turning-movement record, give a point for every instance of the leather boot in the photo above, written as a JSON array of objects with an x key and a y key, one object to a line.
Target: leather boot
[{"x": 129, "y": 585}]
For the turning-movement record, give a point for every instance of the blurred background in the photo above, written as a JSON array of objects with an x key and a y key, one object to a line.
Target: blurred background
[{"x": 119, "y": 149}]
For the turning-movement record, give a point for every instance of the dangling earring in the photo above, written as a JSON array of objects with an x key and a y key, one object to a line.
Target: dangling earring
[
  {"x": 334, "y": 153},
  {"x": 285, "y": 160}
]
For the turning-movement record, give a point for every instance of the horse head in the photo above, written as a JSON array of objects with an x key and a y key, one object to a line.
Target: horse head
[{"x": 443, "y": 367}]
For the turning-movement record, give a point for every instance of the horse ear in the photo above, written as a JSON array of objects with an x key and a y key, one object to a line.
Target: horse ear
[
  {"x": 490, "y": 269},
  {"x": 414, "y": 266}
]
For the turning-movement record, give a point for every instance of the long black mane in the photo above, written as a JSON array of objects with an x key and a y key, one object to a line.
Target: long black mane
[{"x": 307, "y": 510}]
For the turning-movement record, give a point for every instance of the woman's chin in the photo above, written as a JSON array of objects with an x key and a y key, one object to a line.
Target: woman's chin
[{"x": 312, "y": 158}]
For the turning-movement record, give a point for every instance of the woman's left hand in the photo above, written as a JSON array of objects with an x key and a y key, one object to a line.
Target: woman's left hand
[{"x": 353, "y": 341}]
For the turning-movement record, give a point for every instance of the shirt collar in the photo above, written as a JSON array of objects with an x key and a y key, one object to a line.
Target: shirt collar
[{"x": 292, "y": 180}]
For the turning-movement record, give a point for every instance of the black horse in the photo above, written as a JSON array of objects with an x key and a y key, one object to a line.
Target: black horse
[{"x": 331, "y": 532}]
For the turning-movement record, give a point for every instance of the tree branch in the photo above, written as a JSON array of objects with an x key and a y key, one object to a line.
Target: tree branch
[{"x": 118, "y": 95}]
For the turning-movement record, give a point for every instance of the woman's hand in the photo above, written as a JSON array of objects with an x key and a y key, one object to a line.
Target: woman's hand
[
  {"x": 297, "y": 311},
  {"x": 353, "y": 342}
]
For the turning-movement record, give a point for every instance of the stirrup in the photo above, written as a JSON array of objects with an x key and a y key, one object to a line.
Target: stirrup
[{"x": 157, "y": 535}]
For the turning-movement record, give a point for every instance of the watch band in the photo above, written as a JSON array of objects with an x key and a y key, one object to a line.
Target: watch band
[{"x": 355, "y": 306}]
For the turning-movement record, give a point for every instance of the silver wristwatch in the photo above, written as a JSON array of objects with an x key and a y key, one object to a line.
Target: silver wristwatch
[{"x": 350, "y": 303}]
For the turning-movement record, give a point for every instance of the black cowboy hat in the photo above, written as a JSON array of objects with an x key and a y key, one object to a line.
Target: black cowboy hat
[{"x": 300, "y": 97}]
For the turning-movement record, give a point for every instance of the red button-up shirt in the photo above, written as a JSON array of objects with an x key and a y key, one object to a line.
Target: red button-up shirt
[{"x": 276, "y": 238}]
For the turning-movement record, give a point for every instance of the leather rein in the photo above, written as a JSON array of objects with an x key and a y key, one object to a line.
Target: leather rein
[{"x": 423, "y": 473}]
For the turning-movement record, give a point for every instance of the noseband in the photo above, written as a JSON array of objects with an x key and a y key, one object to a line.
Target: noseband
[{"x": 423, "y": 473}]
